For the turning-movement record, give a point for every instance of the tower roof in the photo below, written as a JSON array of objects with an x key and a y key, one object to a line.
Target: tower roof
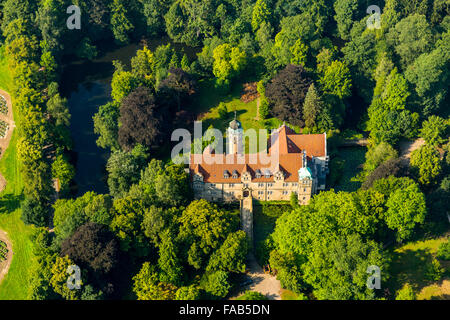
[{"x": 235, "y": 124}]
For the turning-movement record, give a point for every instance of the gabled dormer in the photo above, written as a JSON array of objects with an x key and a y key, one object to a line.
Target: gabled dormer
[
  {"x": 278, "y": 174},
  {"x": 246, "y": 175}
]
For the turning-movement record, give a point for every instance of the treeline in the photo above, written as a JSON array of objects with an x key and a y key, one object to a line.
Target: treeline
[
  {"x": 312, "y": 58},
  {"x": 41, "y": 113},
  {"x": 325, "y": 248}
]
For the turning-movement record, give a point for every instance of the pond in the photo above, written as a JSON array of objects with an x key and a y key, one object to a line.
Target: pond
[{"x": 87, "y": 85}]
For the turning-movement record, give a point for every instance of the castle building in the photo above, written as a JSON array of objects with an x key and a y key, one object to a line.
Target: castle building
[{"x": 301, "y": 167}]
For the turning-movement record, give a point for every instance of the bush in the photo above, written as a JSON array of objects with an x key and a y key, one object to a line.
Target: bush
[
  {"x": 252, "y": 295},
  {"x": 434, "y": 271},
  {"x": 391, "y": 167},
  {"x": 443, "y": 252},
  {"x": 406, "y": 293},
  {"x": 377, "y": 155}
]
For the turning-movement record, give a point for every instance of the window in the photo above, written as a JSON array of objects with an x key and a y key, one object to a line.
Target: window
[
  {"x": 258, "y": 173},
  {"x": 304, "y": 189},
  {"x": 226, "y": 174}
]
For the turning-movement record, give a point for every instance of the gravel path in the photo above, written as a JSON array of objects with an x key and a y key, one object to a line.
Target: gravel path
[{"x": 263, "y": 283}]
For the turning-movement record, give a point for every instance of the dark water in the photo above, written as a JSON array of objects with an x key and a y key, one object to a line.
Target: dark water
[{"x": 87, "y": 85}]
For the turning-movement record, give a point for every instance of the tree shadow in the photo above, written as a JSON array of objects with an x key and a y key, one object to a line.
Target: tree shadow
[
  {"x": 10, "y": 203},
  {"x": 409, "y": 266}
]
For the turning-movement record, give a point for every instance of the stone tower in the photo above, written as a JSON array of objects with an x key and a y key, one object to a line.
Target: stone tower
[
  {"x": 234, "y": 137},
  {"x": 305, "y": 182}
]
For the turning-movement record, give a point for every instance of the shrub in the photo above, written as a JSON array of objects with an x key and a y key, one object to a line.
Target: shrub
[
  {"x": 252, "y": 295},
  {"x": 406, "y": 293},
  {"x": 443, "y": 252},
  {"x": 434, "y": 271}
]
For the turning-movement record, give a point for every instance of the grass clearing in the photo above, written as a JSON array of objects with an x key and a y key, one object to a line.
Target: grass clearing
[
  {"x": 410, "y": 263},
  {"x": 15, "y": 284},
  {"x": 206, "y": 105}
]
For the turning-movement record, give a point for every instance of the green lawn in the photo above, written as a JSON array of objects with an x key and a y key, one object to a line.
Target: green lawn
[
  {"x": 207, "y": 103},
  {"x": 15, "y": 283},
  {"x": 409, "y": 264}
]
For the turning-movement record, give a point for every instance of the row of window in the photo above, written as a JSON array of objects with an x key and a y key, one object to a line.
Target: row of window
[{"x": 260, "y": 185}]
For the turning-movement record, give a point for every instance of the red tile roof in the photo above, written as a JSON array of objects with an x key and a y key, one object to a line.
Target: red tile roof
[{"x": 291, "y": 146}]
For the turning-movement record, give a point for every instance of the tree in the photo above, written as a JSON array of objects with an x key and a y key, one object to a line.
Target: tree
[
  {"x": 154, "y": 223},
  {"x": 124, "y": 169},
  {"x": 126, "y": 225},
  {"x": 392, "y": 167},
  {"x": 59, "y": 278},
  {"x": 312, "y": 107},
  {"x": 411, "y": 36},
  {"x": 429, "y": 74},
  {"x": 216, "y": 283},
  {"x": 180, "y": 84},
  {"x": 154, "y": 11},
  {"x": 141, "y": 120},
  {"x": 434, "y": 130},
  {"x": 188, "y": 293},
  {"x": 122, "y": 83},
  {"x": 338, "y": 270},
  {"x": 426, "y": 163},
  {"x": 120, "y": 24},
  {"x": 172, "y": 186},
  {"x": 346, "y": 11},
  {"x": 336, "y": 80},
  {"x": 203, "y": 228},
  {"x": 168, "y": 262},
  {"x": 286, "y": 92},
  {"x": 406, "y": 209},
  {"x": 63, "y": 171},
  {"x": 260, "y": 14},
  {"x": 190, "y": 21},
  {"x": 228, "y": 62},
  {"x": 106, "y": 126},
  {"x": 35, "y": 212},
  {"x": 58, "y": 110},
  {"x": 147, "y": 286},
  {"x": 396, "y": 92},
  {"x": 299, "y": 53},
  {"x": 293, "y": 28},
  {"x": 231, "y": 254},
  {"x": 360, "y": 55},
  {"x": 93, "y": 247},
  {"x": 144, "y": 66}
]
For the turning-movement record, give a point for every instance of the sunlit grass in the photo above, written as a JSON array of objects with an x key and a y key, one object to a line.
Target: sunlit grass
[{"x": 15, "y": 283}]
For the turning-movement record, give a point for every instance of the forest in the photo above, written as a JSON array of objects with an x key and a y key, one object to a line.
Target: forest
[{"x": 316, "y": 65}]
